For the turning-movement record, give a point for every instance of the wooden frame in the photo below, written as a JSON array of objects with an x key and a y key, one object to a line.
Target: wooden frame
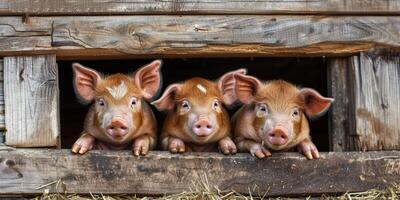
[
  {"x": 27, "y": 171},
  {"x": 189, "y": 36},
  {"x": 39, "y": 31}
]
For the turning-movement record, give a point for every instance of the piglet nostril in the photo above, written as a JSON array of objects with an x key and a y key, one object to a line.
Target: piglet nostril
[
  {"x": 198, "y": 126},
  {"x": 209, "y": 126}
]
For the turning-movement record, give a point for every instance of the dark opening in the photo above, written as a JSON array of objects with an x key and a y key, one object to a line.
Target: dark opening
[{"x": 305, "y": 72}]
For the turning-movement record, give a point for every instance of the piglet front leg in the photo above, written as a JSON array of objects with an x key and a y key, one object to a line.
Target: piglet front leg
[
  {"x": 255, "y": 148},
  {"x": 83, "y": 144},
  {"x": 176, "y": 145},
  {"x": 142, "y": 145},
  {"x": 308, "y": 149},
  {"x": 227, "y": 146}
]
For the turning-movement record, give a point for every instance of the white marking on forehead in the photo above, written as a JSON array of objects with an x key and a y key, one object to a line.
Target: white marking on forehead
[
  {"x": 118, "y": 91},
  {"x": 201, "y": 88}
]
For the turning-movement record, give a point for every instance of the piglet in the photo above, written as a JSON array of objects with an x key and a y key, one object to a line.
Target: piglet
[
  {"x": 196, "y": 119},
  {"x": 119, "y": 118},
  {"x": 274, "y": 116}
]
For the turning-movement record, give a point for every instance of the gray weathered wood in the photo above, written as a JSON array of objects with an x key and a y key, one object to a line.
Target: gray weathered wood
[
  {"x": 376, "y": 84},
  {"x": 340, "y": 115},
  {"x": 259, "y": 35},
  {"x": 124, "y": 7},
  {"x": 109, "y": 172},
  {"x": 188, "y": 36},
  {"x": 31, "y": 101},
  {"x": 18, "y": 38},
  {"x": 2, "y": 120}
]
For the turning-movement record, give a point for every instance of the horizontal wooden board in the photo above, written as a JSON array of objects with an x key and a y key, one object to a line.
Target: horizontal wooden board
[
  {"x": 196, "y": 36},
  {"x": 27, "y": 171},
  {"x": 125, "y": 7}
]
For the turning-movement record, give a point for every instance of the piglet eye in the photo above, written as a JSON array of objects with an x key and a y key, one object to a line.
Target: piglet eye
[
  {"x": 263, "y": 108},
  {"x": 101, "y": 102},
  {"x": 133, "y": 101},
  {"x": 215, "y": 104},
  {"x": 295, "y": 113}
]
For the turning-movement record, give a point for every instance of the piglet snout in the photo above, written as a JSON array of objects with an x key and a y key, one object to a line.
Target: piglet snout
[
  {"x": 202, "y": 128},
  {"x": 278, "y": 136},
  {"x": 117, "y": 128}
]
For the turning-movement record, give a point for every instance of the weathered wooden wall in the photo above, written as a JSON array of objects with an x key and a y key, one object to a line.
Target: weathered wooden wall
[
  {"x": 125, "y": 7},
  {"x": 24, "y": 171},
  {"x": 377, "y": 100},
  {"x": 187, "y": 36},
  {"x": 366, "y": 113},
  {"x": 31, "y": 101}
]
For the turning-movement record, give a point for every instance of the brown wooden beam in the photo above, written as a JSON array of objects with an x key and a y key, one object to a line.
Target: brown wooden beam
[
  {"x": 25, "y": 171},
  {"x": 129, "y": 7},
  {"x": 195, "y": 36}
]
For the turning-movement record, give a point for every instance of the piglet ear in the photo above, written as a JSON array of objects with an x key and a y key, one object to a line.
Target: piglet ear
[
  {"x": 167, "y": 100},
  {"x": 314, "y": 104},
  {"x": 246, "y": 88},
  {"x": 226, "y": 86},
  {"x": 85, "y": 81},
  {"x": 148, "y": 79}
]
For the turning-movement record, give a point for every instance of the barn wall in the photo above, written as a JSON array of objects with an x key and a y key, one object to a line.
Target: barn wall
[
  {"x": 31, "y": 101},
  {"x": 366, "y": 113},
  {"x": 376, "y": 86}
]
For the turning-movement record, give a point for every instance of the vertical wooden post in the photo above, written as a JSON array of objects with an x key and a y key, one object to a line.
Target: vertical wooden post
[
  {"x": 376, "y": 83},
  {"x": 341, "y": 118},
  {"x": 31, "y": 101},
  {"x": 2, "y": 117},
  {"x": 366, "y": 112}
]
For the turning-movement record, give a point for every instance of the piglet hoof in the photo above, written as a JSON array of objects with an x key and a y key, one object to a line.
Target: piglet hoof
[
  {"x": 308, "y": 149},
  {"x": 83, "y": 144},
  {"x": 227, "y": 146},
  {"x": 259, "y": 151},
  {"x": 176, "y": 145},
  {"x": 141, "y": 146}
]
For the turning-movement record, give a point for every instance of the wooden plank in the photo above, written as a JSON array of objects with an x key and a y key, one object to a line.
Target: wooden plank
[
  {"x": 16, "y": 37},
  {"x": 339, "y": 112},
  {"x": 376, "y": 84},
  {"x": 196, "y": 36},
  {"x": 249, "y": 35},
  {"x": 129, "y": 7},
  {"x": 31, "y": 101},
  {"x": 22, "y": 171},
  {"x": 2, "y": 117}
]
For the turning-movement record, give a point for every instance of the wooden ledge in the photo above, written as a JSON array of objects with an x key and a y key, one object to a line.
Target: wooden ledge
[
  {"x": 26, "y": 171},
  {"x": 131, "y": 7}
]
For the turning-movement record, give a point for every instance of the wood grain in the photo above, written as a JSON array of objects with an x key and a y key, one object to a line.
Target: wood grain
[
  {"x": 17, "y": 37},
  {"x": 31, "y": 101},
  {"x": 340, "y": 115},
  {"x": 116, "y": 37},
  {"x": 125, "y": 7},
  {"x": 178, "y": 35},
  {"x": 376, "y": 83},
  {"x": 2, "y": 117},
  {"x": 22, "y": 171}
]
